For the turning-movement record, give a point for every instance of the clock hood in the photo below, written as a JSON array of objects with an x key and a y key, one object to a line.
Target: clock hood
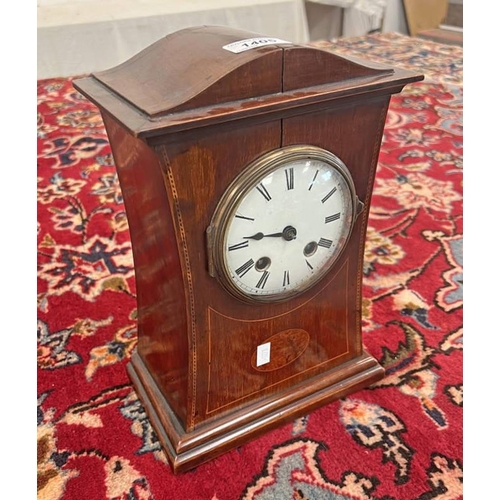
[{"x": 206, "y": 74}]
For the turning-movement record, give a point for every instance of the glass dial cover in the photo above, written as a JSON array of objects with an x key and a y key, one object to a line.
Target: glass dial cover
[{"x": 282, "y": 223}]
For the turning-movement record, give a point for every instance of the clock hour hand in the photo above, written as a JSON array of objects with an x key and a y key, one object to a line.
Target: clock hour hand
[{"x": 256, "y": 236}]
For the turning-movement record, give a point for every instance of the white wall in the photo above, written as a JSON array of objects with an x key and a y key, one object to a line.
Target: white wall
[{"x": 77, "y": 37}]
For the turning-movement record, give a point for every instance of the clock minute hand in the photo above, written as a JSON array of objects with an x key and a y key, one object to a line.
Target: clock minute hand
[
  {"x": 289, "y": 233},
  {"x": 259, "y": 236}
]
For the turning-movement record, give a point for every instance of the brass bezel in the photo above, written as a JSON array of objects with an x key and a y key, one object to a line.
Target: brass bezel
[{"x": 237, "y": 190}]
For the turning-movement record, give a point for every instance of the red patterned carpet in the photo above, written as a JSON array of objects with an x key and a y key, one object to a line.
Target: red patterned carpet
[{"x": 400, "y": 439}]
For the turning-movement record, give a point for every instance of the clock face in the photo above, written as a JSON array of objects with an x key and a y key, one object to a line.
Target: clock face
[{"x": 283, "y": 223}]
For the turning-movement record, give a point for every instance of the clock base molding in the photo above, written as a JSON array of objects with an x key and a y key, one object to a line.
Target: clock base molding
[{"x": 188, "y": 449}]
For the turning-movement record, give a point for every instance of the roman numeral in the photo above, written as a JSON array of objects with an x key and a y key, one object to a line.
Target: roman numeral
[
  {"x": 323, "y": 242},
  {"x": 242, "y": 270},
  {"x": 286, "y": 278},
  {"x": 263, "y": 191},
  {"x": 289, "y": 178},
  {"x": 263, "y": 280},
  {"x": 328, "y": 195},
  {"x": 237, "y": 246},
  {"x": 309, "y": 265},
  {"x": 314, "y": 178},
  {"x": 238, "y": 216},
  {"x": 331, "y": 218}
]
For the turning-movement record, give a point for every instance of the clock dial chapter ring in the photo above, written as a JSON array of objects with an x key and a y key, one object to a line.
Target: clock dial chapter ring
[{"x": 282, "y": 224}]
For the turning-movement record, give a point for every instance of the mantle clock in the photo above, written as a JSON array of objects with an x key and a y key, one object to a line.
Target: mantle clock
[{"x": 247, "y": 166}]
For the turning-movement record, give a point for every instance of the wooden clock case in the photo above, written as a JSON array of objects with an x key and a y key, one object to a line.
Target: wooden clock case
[{"x": 184, "y": 117}]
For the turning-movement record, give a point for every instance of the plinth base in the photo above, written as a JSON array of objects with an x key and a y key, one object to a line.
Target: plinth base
[{"x": 186, "y": 450}]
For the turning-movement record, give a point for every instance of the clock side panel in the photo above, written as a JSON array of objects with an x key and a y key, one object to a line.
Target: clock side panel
[
  {"x": 199, "y": 167},
  {"x": 161, "y": 306}
]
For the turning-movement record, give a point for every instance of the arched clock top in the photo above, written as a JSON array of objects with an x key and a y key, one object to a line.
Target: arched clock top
[
  {"x": 213, "y": 74},
  {"x": 191, "y": 68}
]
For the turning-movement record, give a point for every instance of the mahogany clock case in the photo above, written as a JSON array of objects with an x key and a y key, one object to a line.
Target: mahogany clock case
[{"x": 184, "y": 118}]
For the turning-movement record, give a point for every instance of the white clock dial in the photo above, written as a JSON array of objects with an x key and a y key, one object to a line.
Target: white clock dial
[{"x": 287, "y": 224}]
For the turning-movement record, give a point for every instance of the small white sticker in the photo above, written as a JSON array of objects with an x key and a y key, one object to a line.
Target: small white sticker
[
  {"x": 263, "y": 354},
  {"x": 251, "y": 43}
]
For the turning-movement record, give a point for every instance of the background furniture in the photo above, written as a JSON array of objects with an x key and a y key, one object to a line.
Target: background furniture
[
  {"x": 434, "y": 20},
  {"x": 424, "y": 14},
  {"x": 80, "y": 36},
  {"x": 335, "y": 18}
]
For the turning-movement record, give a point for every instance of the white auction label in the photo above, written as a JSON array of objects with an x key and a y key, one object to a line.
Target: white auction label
[
  {"x": 251, "y": 43},
  {"x": 263, "y": 354}
]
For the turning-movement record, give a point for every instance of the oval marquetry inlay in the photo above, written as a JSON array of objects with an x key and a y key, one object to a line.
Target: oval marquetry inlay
[{"x": 286, "y": 347}]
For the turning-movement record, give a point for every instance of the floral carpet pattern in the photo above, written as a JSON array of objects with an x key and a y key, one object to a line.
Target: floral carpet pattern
[{"x": 400, "y": 439}]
